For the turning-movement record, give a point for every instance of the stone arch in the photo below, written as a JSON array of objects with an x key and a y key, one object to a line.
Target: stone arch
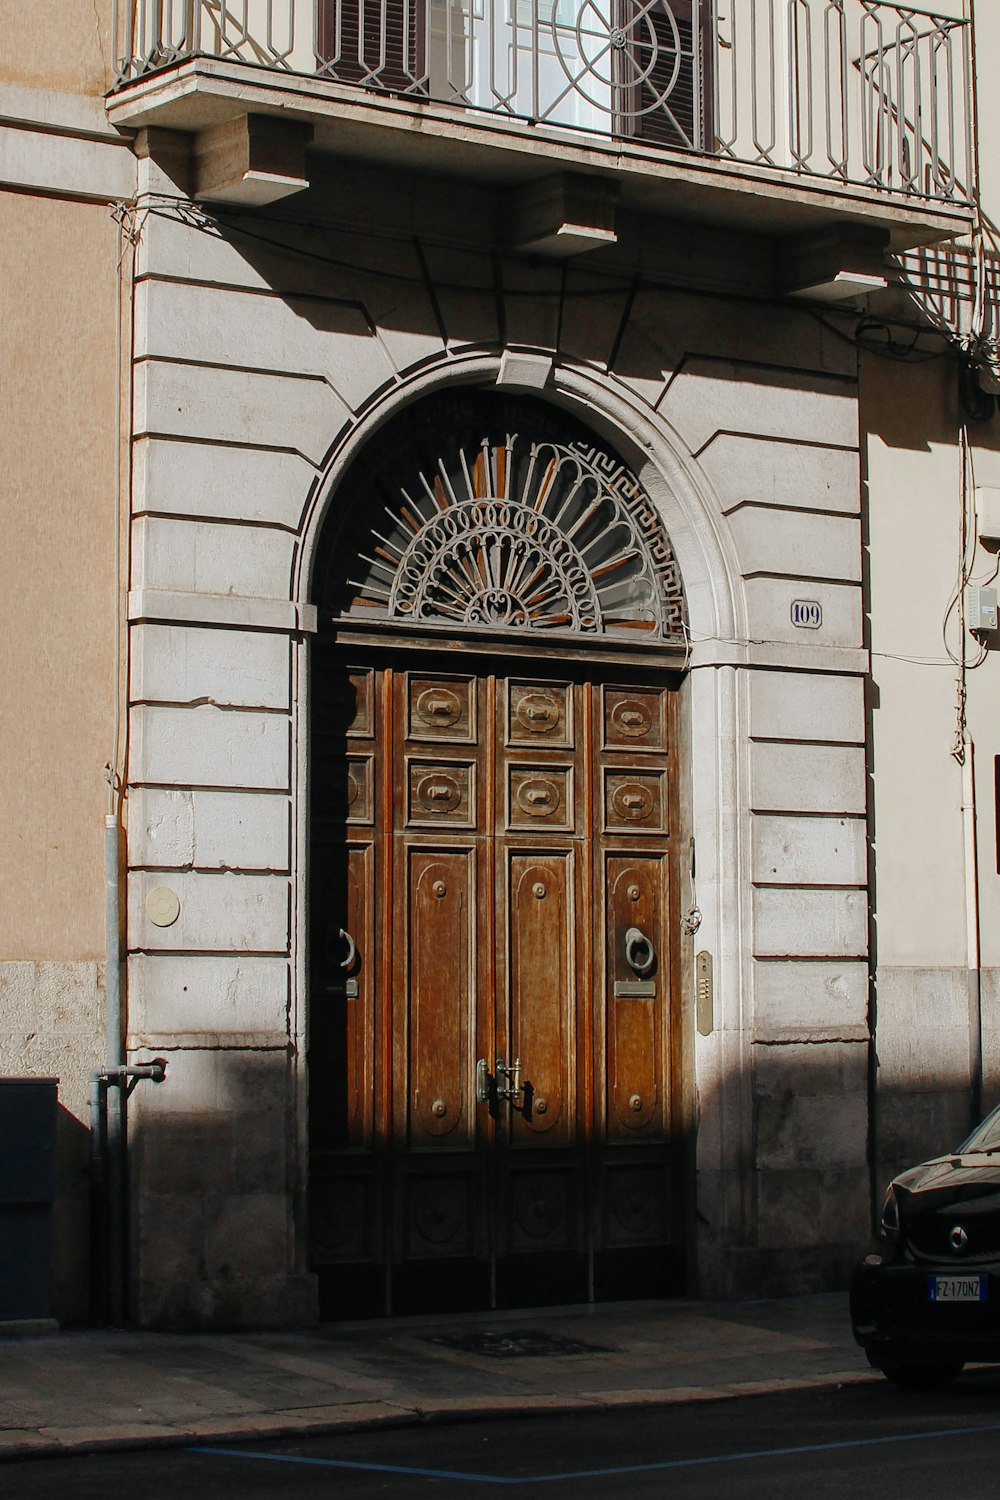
[
  {"x": 482, "y": 511},
  {"x": 656, "y": 455}
]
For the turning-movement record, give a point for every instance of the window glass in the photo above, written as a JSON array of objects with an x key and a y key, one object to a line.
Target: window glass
[{"x": 985, "y": 1137}]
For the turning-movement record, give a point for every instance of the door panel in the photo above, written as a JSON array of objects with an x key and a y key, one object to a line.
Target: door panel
[
  {"x": 439, "y": 982},
  {"x": 356, "y": 998},
  {"x": 544, "y": 1216},
  {"x": 539, "y": 714},
  {"x": 634, "y": 720},
  {"x": 637, "y": 1205},
  {"x": 635, "y": 1030},
  {"x": 499, "y": 850},
  {"x": 541, "y": 993}
]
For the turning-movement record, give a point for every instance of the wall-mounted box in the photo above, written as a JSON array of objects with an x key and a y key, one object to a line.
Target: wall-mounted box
[
  {"x": 980, "y": 608},
  {"x": 988, "y": 516}
]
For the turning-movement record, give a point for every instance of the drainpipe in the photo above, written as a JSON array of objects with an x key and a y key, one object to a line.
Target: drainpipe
[
  {"x": 972, "y": 927},
  {"x": 110, "y": 1087},
  {"x": 108, "y": 1181},
  {"x": 114, "y": 1107}
]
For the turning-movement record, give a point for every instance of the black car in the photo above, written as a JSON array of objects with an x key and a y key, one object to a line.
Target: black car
[{"x": 926, "y": 1297}]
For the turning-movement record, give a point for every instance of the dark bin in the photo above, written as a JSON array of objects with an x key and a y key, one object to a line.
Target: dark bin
[{"x": 27, "y": 1180}]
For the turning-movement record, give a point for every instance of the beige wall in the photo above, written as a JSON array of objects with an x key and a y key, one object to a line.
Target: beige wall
[
  {"x": 63, "y": 44},
  {"x": 925, "y": 885},
  {"x": 58, "y": 326},
  {"x": 913, "y": 480},
  {"x": 987, "y": 23}
]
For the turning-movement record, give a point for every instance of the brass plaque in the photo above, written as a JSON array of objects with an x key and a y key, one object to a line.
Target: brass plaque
[{"x": 705, "y": 998}]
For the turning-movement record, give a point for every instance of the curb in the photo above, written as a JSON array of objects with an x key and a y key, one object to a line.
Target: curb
[{"x": 17, "y": 1445}]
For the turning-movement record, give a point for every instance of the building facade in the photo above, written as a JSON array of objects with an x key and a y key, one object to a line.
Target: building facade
[{"x": 512, "y": 482}]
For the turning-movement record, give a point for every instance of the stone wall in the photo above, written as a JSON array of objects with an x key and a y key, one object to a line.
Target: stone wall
[{"x": 261, "y": 363}]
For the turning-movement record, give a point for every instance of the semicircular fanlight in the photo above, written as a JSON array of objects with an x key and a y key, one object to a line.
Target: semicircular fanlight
[{"x": 501, "y": 514}]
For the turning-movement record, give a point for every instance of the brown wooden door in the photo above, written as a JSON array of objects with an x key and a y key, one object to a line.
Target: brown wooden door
[{"x": 498, "y": 848}]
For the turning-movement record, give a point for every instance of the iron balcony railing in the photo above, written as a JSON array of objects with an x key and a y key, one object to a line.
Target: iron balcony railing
[{"x": 858, "y": 91}]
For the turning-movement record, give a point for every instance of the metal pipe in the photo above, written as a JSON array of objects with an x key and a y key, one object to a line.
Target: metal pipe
[
  {"x": 973, "y": 928},
  {"x": 114, "y": 1109},
  {"x": 127, "y": 1077},
  {"x": 113, "y": 1045},
  {"x": 98, "y": 1210},
  {"x": 108, "y": 1300}
]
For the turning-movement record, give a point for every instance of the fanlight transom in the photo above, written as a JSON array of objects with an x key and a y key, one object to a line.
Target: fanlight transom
[{"x": 508, "y": 533}]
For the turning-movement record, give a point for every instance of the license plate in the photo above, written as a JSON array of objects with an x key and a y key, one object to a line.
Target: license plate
[{"x": 957, "y": 1288}]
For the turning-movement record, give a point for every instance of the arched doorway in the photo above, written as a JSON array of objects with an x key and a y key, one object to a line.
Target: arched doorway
[{"x": 494, "y": 842}]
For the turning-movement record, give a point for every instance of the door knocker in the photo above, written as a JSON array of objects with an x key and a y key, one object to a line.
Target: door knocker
[{"x": 640, "y": 955}]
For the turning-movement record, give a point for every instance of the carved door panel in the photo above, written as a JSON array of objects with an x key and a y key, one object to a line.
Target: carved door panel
[
  {"x": 498, "y": 852},
  {"x": 346, "y": 1219},
  {"x": 440, "y": 1248},
  {"x": 638, "y": 1232},
  {"x": 542, "y": 1008}
]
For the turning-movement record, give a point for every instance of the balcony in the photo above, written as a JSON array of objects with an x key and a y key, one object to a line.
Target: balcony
[{"x": 784, "y": 117}]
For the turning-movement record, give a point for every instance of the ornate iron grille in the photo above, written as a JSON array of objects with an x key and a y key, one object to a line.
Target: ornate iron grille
[
  {"x": 489, "y": 513},
  {"x": 876, "y": 92}
]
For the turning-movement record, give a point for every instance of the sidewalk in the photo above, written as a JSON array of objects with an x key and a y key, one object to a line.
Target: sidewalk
[{"x": 63, "y": 1392}]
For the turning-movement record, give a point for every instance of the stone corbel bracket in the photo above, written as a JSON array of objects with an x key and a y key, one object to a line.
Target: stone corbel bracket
[
  {"x": 251, "y": 160},
  {"x": 832, "y": 267},
  {"x": 562, "y": 215}
]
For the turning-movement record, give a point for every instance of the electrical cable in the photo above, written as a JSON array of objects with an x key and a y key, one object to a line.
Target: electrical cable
[{"x": 180, "y": 209}]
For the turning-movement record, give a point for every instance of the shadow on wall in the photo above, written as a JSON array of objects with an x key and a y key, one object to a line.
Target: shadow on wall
[
  {"x": 595, "y": 311},
  {"x": 212, "y": 1155},
  {"x": 397, "y": 300},
  {"x": 215, "y": 1204},
  {"x": 920, "y": 405}
]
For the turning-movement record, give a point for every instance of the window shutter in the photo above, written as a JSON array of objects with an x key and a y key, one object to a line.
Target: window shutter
[
  {"x": 378, "y": 43},
  {"x": 665, "y": 71}
]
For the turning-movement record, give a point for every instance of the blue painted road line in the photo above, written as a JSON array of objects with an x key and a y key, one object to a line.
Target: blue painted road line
[
  {"x": 344, "y": 1463},
  {"x": 670, "y": 1463}
]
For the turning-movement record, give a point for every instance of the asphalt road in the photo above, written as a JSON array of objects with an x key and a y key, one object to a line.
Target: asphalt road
[{"x": 862, "y": 1441}]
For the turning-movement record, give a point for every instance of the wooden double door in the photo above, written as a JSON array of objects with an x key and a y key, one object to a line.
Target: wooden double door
[{"x": 493, "y": 1039}]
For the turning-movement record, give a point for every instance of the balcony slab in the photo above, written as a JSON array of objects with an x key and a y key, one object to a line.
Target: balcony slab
[{"x": 201, "y": 93}]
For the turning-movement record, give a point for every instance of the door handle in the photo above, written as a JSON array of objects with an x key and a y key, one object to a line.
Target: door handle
[
  {"x": 509, "y": 1081},
  {"x": 352, "y": 950},
  {"x": 504, "y": 1083},
  {"x": 640, "y": 955}
]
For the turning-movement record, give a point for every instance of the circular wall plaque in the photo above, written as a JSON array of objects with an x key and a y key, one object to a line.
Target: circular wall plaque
[{"x": 163, "y": 906}]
